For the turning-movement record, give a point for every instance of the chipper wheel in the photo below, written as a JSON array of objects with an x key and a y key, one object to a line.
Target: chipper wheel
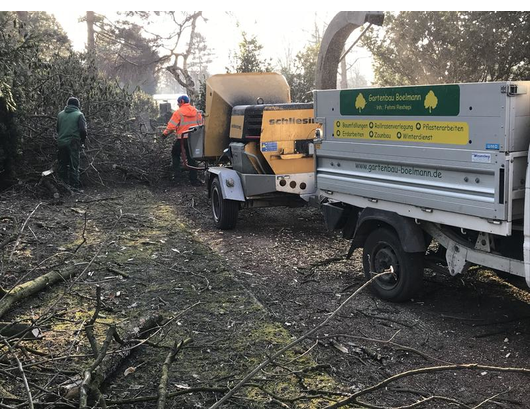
[{"x": 224, "y": 211}]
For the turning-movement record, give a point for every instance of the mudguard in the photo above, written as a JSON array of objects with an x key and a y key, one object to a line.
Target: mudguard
[
  {"x": 410, "y": 234},
  {"x": 231, "y": 185}
]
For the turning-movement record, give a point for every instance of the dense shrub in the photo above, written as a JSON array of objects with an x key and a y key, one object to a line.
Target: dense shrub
[{"x": 34, "y": 88}]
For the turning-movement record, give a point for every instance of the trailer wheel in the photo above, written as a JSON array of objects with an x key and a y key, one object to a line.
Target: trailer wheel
[
  {"x": 224, "y": 211},
  {"x": 383, "y": 249}
]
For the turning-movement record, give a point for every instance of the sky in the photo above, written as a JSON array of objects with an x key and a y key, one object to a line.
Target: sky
[{"x": 280, "y": 34}]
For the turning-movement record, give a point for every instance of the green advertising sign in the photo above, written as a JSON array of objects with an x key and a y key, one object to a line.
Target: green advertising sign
[{"x": 439, "y": 100}]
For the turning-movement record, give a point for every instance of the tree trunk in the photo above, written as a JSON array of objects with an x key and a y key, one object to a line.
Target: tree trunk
[{"x": 91, "y": 43}]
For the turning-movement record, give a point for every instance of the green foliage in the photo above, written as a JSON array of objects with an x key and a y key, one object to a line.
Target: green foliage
[
  {"x": 28, "y": 40},
  {"x": 301, "y": 75},
  {"x": 103, "y": 101},
  {"x": 49, "y": 85},
  {"x": 450, "y": 47},
  {"x": 45, "y": 33},
  {"x": 7, "y": 98},
  {"x": 143, "y": 104},
  {"x": 247, "y": 59},
  {"x": 200, "y": 103},
  {"x": 9, "y": 138},
  {"x": 123, "y": 52},
  {"x": 8, "y": 143}
]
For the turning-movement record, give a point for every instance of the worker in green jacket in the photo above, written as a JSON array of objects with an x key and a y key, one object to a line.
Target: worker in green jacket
[{"x": 71, "y": 136}]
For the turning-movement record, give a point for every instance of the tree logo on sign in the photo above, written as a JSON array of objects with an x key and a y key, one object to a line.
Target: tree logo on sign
[
  {"x": 431, "y": 101},
  {"x": 360, "y": 102}
]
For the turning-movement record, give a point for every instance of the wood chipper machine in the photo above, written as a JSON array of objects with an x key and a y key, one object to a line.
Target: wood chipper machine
[{"x": 257, "y": 144}]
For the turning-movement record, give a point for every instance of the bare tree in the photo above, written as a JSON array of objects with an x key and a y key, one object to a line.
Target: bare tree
[
  {"x": 177, "y": 61},
  {"x": 175, "y": 46}
]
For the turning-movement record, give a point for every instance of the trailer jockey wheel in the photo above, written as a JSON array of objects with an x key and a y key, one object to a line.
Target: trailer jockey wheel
[
  {"x": 224, "y": 211},
  {"x": 383, "y": 250}
]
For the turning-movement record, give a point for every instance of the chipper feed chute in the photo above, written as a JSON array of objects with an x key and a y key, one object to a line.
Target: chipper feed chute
[{"x": 224, "y": 91}]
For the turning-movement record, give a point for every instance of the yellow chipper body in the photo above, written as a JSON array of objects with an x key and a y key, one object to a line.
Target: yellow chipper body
[{"x": 260, "y": 144}]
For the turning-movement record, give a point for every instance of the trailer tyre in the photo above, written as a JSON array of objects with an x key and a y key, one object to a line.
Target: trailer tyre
[
  {"x": 383, "y": 249},
  {"x": 224, "y": 211}
]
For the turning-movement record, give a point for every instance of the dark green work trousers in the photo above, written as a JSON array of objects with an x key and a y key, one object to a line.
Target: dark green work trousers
[{"x": 68, "y": 163}]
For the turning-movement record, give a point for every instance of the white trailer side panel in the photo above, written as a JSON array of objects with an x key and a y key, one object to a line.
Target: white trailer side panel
[{"x": 456, "y": 148}]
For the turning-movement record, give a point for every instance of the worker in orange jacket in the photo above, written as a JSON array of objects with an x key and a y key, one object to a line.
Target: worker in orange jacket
[{"x": 185, "y": 117}]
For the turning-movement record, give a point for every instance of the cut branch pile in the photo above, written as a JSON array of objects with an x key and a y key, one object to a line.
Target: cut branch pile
[
  {"x": 122, "y": 139},
  {"x": 116, "y": 152}
]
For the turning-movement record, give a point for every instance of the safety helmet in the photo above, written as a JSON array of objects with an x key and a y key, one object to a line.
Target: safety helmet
[{"x": 183, "y": 98}]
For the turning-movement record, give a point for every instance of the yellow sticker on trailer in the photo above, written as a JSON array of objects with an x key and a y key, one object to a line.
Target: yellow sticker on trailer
[{"x": 440, "y": 132}]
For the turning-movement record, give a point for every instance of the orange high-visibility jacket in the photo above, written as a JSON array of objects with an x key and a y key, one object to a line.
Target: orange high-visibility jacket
[{"x": 183, "y": 119}]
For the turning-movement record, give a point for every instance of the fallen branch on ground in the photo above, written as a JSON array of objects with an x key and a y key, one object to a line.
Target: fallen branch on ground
[
  {"x": 313, "y": 267},
  {"x": 31, "y": 287},
  {"x": 113, "y": 359},
  {"x": 21, "y": 370},
  {"x": 92, "y": 378},
  {"x": 22, "y": 230},
  {"x": 164, "y": 379},
  {"x": 389, "y": 342},
  {"x": 174, "y": 394},
  {"x": 351, "y": 399},
  {"x": 118, "y": 272},
  {"x": 82, "y": 235},
  {"x": 89, "y": 328}
]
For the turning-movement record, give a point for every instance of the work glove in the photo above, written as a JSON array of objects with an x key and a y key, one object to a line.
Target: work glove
[{"x": 164, "y": 135}]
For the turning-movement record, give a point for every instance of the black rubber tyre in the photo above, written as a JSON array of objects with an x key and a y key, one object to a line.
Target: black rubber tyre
[
  {"x": 383, "y": 249},
  {"x": 224, "y": 211}
]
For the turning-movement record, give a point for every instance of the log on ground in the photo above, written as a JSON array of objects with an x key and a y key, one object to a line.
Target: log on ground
[{"x": 31, "y": 287}]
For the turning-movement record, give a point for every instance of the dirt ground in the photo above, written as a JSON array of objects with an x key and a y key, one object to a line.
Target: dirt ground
[{"x": 240, "y": 296}]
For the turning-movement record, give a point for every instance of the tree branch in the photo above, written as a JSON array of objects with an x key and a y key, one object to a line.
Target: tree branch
[
  {"x": 431, "y": 369},
  {"x": 22, "y": 230},
  {"x": 21, "y": 370},
  {"x": 162, "y": 387}
]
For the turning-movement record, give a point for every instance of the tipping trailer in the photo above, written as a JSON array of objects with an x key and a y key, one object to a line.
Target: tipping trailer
[{"x": 397, "y": 167}]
